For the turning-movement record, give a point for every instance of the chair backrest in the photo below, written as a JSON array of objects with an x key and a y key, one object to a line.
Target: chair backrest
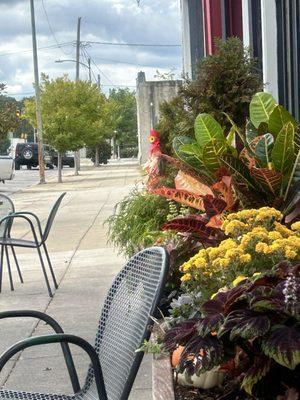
[
  {"x": 125, "y": 321},
  {"x": 52, "y": 216},
  {"x": 6, "y": 207}
]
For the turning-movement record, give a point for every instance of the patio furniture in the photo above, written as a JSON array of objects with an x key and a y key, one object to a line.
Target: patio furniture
[
  {"x": 124, "y": 325},
  {"x": 6, "y": 208},
  {"x": 38, "y": 242}
]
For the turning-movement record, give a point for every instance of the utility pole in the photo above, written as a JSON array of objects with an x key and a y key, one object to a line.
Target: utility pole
[
  {"x": 90, "y": 75},
  {"x": 99, "y": 82},
  {"x": 37, "y": 98},
  {"x": 77, "y": 153}
]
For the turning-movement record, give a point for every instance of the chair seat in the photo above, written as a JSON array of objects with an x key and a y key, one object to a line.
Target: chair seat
[
  {"x": 15, "y": 395},
  {"x": 17, "y": 242}
]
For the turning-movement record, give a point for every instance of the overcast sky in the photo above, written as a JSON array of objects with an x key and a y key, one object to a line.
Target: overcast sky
[{"x": 122, "y": 21}]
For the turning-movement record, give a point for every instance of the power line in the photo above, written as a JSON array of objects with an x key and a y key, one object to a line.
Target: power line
[
  {"x": 101, "y": 72},
  {"x": 133, "y": 44},
  {"x": 50, "y": 47},
  {"x": 51, "y": 30}
]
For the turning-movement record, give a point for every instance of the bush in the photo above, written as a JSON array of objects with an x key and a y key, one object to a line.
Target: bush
[
  {"x": 137, "y": 220},
  {"x": 225, "y": 82}
]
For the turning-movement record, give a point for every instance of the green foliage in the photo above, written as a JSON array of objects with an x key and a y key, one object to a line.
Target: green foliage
[
  {"x": 137, "y": 221},
  {"x": 71, "y": 113},
  {"x": 266, "y": 170},
  {"x": 256, "y": 323},
  {"x": 122, "y": 108},
  {"x": 8, "y": 113},
  {"x": 225, "y": 83}
]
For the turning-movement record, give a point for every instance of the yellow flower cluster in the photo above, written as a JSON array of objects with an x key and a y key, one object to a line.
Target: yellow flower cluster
[
  {"x": 257, "y": 242},
  {"x": 244, "y": 221}
]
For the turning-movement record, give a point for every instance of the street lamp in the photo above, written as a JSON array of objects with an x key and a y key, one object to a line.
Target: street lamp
[{"x": 88, "y": 65}]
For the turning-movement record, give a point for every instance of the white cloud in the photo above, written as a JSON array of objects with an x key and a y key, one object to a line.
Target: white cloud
[{"x": 155, "y": 21}]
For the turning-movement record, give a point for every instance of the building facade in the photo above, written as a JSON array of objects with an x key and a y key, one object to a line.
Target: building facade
[
  {"x": 149, "y": 96},
  {"x": 271, "y": 28}
]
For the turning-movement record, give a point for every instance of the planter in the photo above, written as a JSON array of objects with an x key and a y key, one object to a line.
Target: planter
[{"x": 162, "y": 379}]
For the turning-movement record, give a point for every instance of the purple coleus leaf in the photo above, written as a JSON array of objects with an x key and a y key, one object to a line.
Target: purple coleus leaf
[
  {"x": 260, "y": 367},
  {"x": 201, "y": 354},
  {"x": 283, "y": 345},
  {"x": 245, "y": 324},
  {"x": 180, "y": 334}
]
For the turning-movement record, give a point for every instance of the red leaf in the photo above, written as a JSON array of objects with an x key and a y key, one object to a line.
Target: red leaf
[
  {"x": 190, "y": 224},
  {"x": 181, "y": 196},
  {"x": 213, "y": 206}
]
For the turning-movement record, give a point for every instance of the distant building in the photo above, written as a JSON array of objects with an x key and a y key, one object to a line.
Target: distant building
[
  {"x": 270, "y": 27},
  {"x": 149, "y": 96}
]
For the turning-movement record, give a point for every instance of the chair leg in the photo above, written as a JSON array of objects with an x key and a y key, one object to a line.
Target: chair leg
[
  {"x": 9, "y": 269},
  {"x": 44, "y": 271},
  {"x": 50, "y": 266},
  {"x": 17, "y": 264},
  {"x": 1, "y": 266}
]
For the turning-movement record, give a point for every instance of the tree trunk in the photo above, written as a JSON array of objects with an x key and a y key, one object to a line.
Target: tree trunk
[
  {"x": 77, "y": 162},
  {"x": 97, "y": 156},
  {"x": 59, "y": 169}
]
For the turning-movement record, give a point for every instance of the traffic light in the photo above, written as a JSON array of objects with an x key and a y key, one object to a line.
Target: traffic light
[{"x": 18, "y": 113}]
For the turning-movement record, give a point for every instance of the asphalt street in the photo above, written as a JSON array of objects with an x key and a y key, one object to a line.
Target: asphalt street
[{"x": 25, "y": 178}]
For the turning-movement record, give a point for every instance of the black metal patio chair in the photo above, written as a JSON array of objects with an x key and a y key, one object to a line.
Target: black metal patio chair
[
  {"x": 124, "y": 324},
  {"x": 7, "y": 208},
  {"x": 39, "y": 241}
]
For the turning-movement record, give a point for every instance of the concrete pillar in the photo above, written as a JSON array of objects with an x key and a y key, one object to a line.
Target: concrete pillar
[
  {"x": 149, "y": 96},
  {"x": 269, "y": 46}
]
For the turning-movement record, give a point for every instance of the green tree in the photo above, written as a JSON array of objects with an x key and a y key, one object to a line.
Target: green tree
[
  {"x": 124, "y": 114},
  {"x": 102, "y": 129},
  {"x": 9, "y": 119},
  {"x": 71, "y": 112}
]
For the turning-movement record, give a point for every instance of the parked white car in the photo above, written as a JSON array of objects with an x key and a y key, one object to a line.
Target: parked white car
[{"x": 7, "y": 168}]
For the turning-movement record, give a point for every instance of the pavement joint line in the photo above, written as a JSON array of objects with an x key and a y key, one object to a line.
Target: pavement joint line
[{"x": 63, "y": 276}]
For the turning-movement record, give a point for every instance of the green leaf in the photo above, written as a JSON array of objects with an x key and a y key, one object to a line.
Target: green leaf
[
  {"x": 295, "y": 175},
  {"x": 283, "y": 345},
  {"x": 259, "y": 368},
  {"x": 278, "y": 118},
  {"x": 251, "y": 132},
  {"x": 207, "y": 128},
  {"x": 261, "y": 107},
  {"x": 264, "y": 148},
  {"x": 268, "y": 179},
  {"x": 187, "y": 150},
  {"x": 239, "y": 171},
  {"x": 283, "y": 150},
  {"x": 212, "y": 152}
]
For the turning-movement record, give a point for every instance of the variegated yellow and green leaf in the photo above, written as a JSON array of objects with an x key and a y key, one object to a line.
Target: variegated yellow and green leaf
[
  {"x": 278, "y": 118},
  {"x": 206, "y": 129},
  {"x": 261, "y": 107}
]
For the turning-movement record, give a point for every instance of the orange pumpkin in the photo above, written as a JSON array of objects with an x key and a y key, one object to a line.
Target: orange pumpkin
[{"x": 176, "y": 356}]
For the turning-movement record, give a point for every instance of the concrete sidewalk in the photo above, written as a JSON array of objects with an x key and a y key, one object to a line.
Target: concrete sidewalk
[{"x": 84, "y": 264}]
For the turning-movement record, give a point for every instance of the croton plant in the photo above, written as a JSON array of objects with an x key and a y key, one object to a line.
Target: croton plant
[{"x": 241, "y": 283}]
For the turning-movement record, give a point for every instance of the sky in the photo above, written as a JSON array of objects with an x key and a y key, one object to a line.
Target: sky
[{"x": 114, "y": 21}]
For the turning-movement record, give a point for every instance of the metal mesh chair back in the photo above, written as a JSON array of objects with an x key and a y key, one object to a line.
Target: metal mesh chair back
[
  {"x": 51, "y": 217},
  {"x": 6, "y": 207},
  {"x": 124, "y": 321}
]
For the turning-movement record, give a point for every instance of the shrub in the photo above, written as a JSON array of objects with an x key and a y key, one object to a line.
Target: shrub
[
  {"x": 137, "y": 220},
  {"x": 225, "y": 82}
]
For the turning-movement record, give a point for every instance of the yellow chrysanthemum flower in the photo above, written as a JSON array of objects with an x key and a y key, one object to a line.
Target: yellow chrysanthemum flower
[
  {"x": 245, "y": 258},
  {"x": 186, "y": 277},
  {"x": 296, "y": 226},
  {"x": 200, "y": 262}
]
